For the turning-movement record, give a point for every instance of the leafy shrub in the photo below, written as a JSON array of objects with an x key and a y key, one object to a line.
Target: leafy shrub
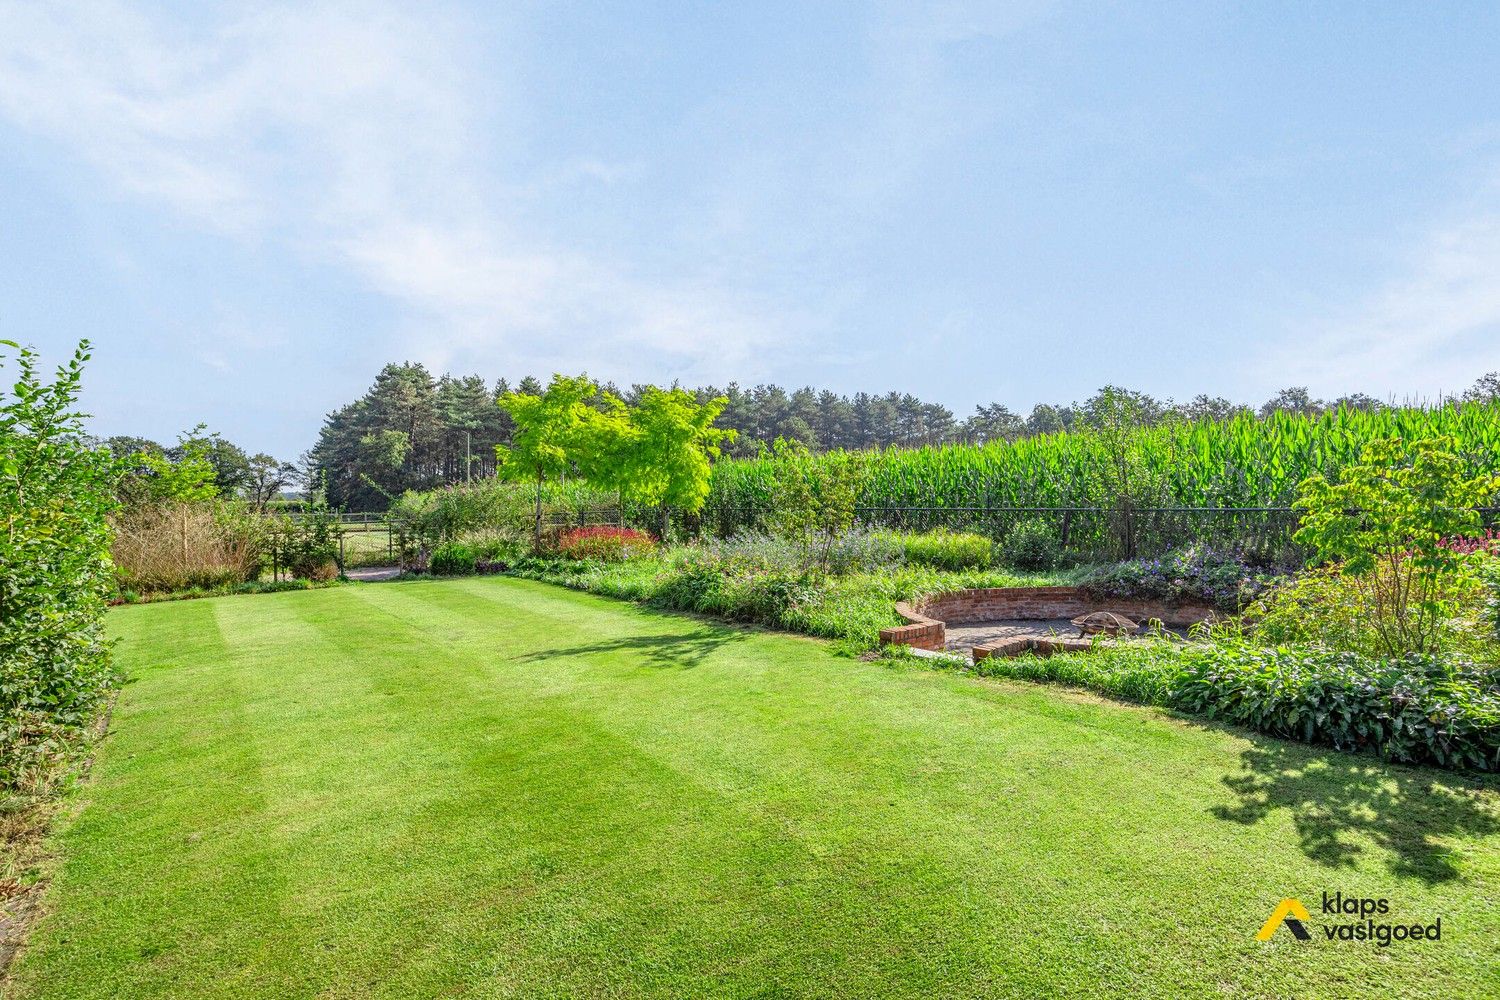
[
  {"x": 309, "y": 542},
  {"x": 1489, "y": 575},
  {"x": 56, "y": 495},
  {"x": 1032, "y": 545},
  {"x": 452, "y": 559},
  {"x": 944, "y": 549},
  {"x": 1387, "y": 521},
  {"x": 604, "y": 543},
  {"x": 494, "y": 547},
  {"x": 493, "y": 507},
  {"x": 813, "y": 499},
  {"x": 1419, "y": 708},
  {"x": 1222, "y": 579},
  {"x": 1328, "y": 607}
]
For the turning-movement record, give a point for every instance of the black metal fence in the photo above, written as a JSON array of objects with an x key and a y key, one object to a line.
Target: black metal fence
[
  {"x": 1263, "y": 533},
  {"x": 363, "y": 540},
  {"x": 1118, "y": 532}
]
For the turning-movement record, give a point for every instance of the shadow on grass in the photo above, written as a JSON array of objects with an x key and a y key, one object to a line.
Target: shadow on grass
[
  {"x": 1337, "y": 799},
  {"x": 678, "y": 650}
]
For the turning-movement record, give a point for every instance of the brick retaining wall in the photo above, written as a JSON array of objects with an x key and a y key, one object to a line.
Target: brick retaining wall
[{"x": 927, "y": 619}]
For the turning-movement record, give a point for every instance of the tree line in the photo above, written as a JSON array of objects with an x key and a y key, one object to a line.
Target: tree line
[
  {"x": 414, "y": 430},
  {"x": 226, "y": 468}
]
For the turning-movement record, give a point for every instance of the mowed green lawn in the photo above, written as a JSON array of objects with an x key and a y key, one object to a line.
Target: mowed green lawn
[{"x": 495, "y": 788}]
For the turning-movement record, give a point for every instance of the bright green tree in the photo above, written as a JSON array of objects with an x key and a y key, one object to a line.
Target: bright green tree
[
  {"x": 1389, "y": 521},
  {"x": 185, "y": 475},
  {"x": 556, "y": 432},
  {"x": 659, "y": 451},
  {"x": 813, "y": 501}
]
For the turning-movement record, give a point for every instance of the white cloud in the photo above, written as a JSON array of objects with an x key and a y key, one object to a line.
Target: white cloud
[
  {"x": 348, "y": 133},
  {"x": 1430, "y": 332}
]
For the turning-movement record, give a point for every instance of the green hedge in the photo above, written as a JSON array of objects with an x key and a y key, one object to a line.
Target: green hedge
[{"x": 56, "y": 494}]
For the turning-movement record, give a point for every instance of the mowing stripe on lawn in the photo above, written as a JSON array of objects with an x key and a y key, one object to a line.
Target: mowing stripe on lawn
[{"x": 499, "y": 788}]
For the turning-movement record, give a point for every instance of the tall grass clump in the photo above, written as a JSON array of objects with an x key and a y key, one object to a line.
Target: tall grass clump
[
  {"x": 945, "y": 549},
  {"x": 179, "y": 545}
]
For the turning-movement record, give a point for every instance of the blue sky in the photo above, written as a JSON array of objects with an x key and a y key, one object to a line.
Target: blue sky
[{"x": 249, "y": 208}]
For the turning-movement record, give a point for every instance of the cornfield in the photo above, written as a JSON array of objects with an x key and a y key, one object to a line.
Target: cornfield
[{"x": 1121, "y": 491}]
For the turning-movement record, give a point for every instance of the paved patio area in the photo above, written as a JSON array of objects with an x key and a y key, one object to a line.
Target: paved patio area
[
  {"x": 373, "y": 574},
  {"x": 962, "y": 638}
]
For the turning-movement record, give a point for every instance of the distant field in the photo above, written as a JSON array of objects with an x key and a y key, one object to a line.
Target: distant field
[
  {"x": 369, "y": 545},
  {"x": 495, "y": 788},
  {"x": 1233, "y": 467}
]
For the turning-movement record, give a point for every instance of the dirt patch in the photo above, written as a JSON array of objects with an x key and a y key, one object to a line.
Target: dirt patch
[
  {"x": 16, "y": 916},
  {"x": 26, "y": 855}
]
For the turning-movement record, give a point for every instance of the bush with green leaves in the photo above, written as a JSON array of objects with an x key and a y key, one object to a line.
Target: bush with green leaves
[
  {"x": 1032, "y": 545},
  {"x": 56, "y": 495},
  {"x": 308, "y": 543},
  {"x": 1420, "y": 708},
  {"x": 452, "y": 559},
  {"x": 494, "y": 548},
  {"x": 1326, "y": 606},
  {"x": 812, "y": 499},
  {"x": 1197, "y": 573},
  {"x": 1388, "y": 521},
  {"x": 945, "y": 549},
  {"x": 1489, "y": 576},
  {"x": 495, "y": 508},
  {"x": 1442, "y": 710}
]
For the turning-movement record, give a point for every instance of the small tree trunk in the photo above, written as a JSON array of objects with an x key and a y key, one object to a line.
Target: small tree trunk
[
  {"x": 666, "y": 517},
  {"x": 537, "y": 533}
]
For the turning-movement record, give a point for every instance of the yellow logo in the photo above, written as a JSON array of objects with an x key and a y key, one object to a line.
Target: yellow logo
[{"x": 1291, "y": 912}]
